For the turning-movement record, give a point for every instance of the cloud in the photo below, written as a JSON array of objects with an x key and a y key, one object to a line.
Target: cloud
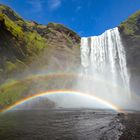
[
  {"x": 54, "y": 4},
  {"x": 36, "y": 5}
]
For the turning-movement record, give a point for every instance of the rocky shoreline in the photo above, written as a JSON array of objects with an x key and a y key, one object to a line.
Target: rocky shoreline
[{"x": 131, "y": 123}]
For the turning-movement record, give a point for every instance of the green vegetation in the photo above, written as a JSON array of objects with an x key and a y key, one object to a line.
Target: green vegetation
[
  {"x": 14, "y": 90},
  {"x": 62, "y": 28},
  {"x": 8, "y": 84},
  {"x": 20, "y": 23},
  {"x": 41, "y": 26},
  {"x": 34, "y": 42},
  {"x": 11, "y": 26},
  {"x": 6, "y": 9},
  {"x": 132, "y": 25},
  {"x": 10, "y": 67},
  {"x": 23, "y": 45},
  {"x": 9, "y": 96},
  {"x": 2, "y": 7}
]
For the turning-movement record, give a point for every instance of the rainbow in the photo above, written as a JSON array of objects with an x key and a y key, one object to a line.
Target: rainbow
[
  {"x": 22, "y": 101},
  {"x": 61, "y": 75}
]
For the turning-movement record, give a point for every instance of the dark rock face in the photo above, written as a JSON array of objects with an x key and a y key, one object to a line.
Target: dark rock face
[
  {"x": 28, "y": 46},
  {"x": 130, "y": 33}
]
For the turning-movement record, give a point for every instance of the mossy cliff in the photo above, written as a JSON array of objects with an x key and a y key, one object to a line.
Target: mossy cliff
[
  {"x": 27, "y": 46},
  {"x": 130, "y": 33}
]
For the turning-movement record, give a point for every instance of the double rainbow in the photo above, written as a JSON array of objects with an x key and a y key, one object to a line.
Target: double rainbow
[{"x": 58, "y": 75}]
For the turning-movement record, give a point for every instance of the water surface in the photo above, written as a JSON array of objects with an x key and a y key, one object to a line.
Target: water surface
[{"x": 60, "y": 124}]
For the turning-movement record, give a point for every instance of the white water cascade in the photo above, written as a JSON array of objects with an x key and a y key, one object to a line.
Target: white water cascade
[{"x": 104, "y": 57}]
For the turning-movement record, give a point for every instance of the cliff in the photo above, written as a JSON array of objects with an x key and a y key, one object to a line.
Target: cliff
[
  {"x": 27, "y": 47},
  {"x": 130, "y": 33}
]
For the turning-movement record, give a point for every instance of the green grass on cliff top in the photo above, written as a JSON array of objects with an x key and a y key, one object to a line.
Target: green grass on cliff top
[{"x": 132, "y": 25}]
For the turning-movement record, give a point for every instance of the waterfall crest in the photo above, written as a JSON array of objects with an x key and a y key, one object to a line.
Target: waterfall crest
[{"x": 105, "y": 57}]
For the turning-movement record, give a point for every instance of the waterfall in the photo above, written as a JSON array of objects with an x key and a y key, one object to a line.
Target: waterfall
[{"x": 104, "y": 56}]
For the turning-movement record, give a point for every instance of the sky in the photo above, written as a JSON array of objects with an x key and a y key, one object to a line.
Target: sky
[{"x": 86, "y": 17}]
